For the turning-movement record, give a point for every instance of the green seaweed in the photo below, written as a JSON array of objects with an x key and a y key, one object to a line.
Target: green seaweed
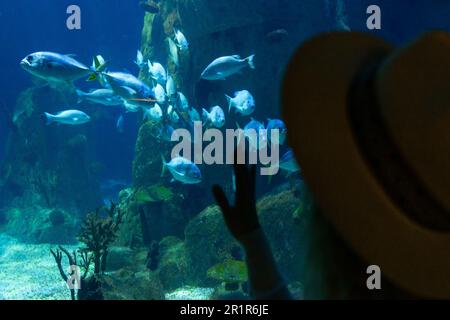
[{"x": 230, "y": 271}]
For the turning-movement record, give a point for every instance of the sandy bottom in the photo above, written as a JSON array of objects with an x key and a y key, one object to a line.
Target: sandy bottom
[{"x": 28, "y": 271}]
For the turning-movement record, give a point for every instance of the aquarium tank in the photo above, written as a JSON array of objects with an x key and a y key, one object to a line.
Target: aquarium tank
[{"x": 94, "y": 93}]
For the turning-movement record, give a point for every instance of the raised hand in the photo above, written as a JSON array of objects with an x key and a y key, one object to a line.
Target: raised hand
[{"x": 241, "y": 218}]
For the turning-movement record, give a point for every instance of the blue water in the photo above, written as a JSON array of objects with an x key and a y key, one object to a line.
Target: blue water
[{"x": 110, "y": 27}]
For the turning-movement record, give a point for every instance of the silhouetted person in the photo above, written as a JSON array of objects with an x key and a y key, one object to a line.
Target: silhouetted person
[{"x": 242, "y": 220}]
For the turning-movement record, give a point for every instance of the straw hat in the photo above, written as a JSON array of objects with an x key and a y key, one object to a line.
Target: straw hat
[{"x": 370, "y": 127}]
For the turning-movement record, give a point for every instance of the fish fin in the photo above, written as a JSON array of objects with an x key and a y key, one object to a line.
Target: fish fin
[
  {"x": 49, "y": 118},
  {"x": 251, "y": 62},
  {"x": 205, "y": 115},
  {"x": 164, "y": 164},
  {"x": 172, "y": 180},
  {"x": 128, "y": 90},
  {"x": 236, "y": 56},
  {"x": 230, "y": 102}
]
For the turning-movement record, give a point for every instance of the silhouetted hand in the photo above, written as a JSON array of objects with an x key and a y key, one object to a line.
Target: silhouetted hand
[{"x": 241, "y": 218}]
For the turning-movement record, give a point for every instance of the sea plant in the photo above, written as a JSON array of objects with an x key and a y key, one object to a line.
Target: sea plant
[{"x": 98, "y": 232}]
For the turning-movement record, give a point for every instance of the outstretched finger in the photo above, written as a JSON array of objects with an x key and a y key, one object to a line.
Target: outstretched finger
[{"x": 221, "y": 199}]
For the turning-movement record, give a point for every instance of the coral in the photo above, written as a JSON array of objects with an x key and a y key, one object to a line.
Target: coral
[{"x": 97, "y": 233}]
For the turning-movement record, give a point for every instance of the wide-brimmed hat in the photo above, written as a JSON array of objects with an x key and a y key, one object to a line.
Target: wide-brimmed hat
[{"x": 370, "y": 127}]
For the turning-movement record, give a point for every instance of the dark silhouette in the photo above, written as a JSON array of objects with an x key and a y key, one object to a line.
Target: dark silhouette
[{"x": 242, "y": 220}]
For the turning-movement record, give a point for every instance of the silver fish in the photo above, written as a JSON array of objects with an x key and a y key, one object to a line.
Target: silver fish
[
  {"x": 215, "y": 117},
  {"x": 157, "y": 72},
  {"x": 130, "y": 88},
  {"x": 70, "y": 117},
  {"x": 105, "y": 97},
  {"x": 181, "y": 40},
  {"x": 56, "y": 67},
  {"x": 182, "y": 170},
  {"x": 154, "y": 113},
  {"x": 243, "y": 102},
  {"x": 140, "y": 60},
  {"x": 224, "y": 67}
]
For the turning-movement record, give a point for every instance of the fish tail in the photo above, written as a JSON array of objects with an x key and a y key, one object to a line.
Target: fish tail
[
  {"x": 251, "y": 62},
  {"x": 49, "y": 118},
  {"x": 230, "y": 102},
  {"x": 164, "y": 164}
]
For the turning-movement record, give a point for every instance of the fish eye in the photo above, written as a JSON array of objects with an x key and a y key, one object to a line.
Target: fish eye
[{"x": 29, "y": 58}]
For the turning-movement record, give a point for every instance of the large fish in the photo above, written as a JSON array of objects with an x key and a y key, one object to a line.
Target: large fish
[
  {"x": 70, "y": 117},
  {"x": 224, "y": 67},
  {"x": 130, "y": 88},
  {"x": 106, "y": 97},
  {"x": 182, "y": 170},
  {"x": 55, "y": 67}
]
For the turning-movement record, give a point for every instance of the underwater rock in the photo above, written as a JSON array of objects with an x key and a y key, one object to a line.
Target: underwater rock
[
  {"x": 172, "y": 270},
  {"x": 35, "y": 225},
  {"x": 208, "y": 242},
  {"x": 130, "y": 285},
  {"x": 118, "y": 258},
  {"x": 56, "y": 217}
]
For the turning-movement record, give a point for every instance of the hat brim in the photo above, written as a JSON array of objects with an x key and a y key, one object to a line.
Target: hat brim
[{"x": 315, "y": 108}]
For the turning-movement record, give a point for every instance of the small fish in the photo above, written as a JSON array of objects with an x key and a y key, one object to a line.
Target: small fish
[
  {"x": 181, "y": 40},
  {"x": 215, "y": 117},
  {"x": 140, "y": 60},
  {"x": 155, "y": 113},
  {"x": 277, "y": 35},
  {"x": 288, "y": 163},
  {"x": 172, "y": 115},
  {"x": 243, "y": 102},
  {"x": 70, "y": 117},
  {"x": 119, "y": 124},
  {"x": 173, "y": 52},
  {"x": 160, "y": 94},
  {"x": 106, "y": 97},
  {"x": 256, "y": 134},
  {"x": 224, "y": 67},
  {"x": 157, "y": 72},
  {"x": 276, "y": 124},
  {"x": 182, "y": 103},
  {"x": 171, "y": 88},
  {"x": 182, "y": 170},
  {"x": 149, "y": 6},
  {"x": 55, "y": 67}
]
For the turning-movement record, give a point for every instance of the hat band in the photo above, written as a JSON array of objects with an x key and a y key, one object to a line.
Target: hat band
[{"x": 383, "y": 156}]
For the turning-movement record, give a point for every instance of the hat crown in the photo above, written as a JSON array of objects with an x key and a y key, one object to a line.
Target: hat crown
[{"x": 414, "y": 97}]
